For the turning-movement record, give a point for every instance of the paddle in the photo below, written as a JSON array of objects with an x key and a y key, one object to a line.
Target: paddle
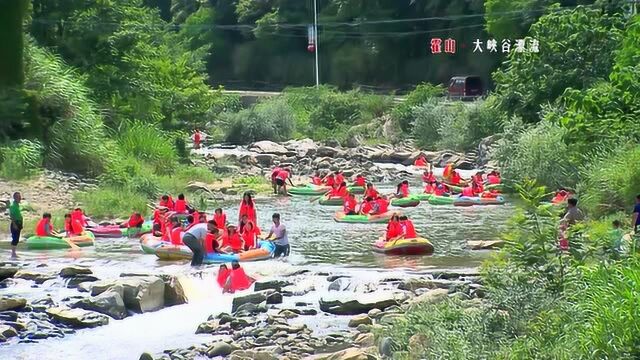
[
  {"x": 71, "y": 244},
  {"x": 312, "y": 200}
]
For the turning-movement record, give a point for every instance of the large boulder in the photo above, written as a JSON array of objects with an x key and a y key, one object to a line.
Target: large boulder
[
  {"x": 257, "y": 298},
  {"x": 353, "y": 304},
  {"x": 268, "y": 147},
  {"x": 275, "y": 284},
  {"x": 6, "y": 332},
  {"x": 141, "y": 294},
  {"x": 109, "y": 303},
  {"x": 302, "y": 148},
  {"x": 77, "y": 318},
  {"x": 327, "y": 151},
  {"x": 11, "y": 303},
  {"x": 7, "y": 272},
  {"x": 430, "y": 297},
  {"x": 74, "y": 270},
  {"x": 174, "y": 293},
  {"x": 265, "y": 160},
  {"x": 38, "y": 277},
  {"x": 220, "y": 348}
]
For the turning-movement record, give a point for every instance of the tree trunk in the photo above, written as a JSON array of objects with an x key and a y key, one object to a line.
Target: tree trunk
[{"x": 12, "y": 13}]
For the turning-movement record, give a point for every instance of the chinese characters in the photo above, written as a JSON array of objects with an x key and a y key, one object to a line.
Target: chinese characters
[{"x": 490, "y": 46}]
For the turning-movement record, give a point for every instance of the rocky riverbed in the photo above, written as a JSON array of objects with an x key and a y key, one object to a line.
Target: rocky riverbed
[{"x": 302, "y": 314}]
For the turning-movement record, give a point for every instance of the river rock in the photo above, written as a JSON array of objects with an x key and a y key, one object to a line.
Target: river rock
[
  {"x": 146, "y": 356},
  {"x": 430, "y": 297},
  {"x": 220, "y": 348},
  {"x": 141, "y": 294},
  {"x": 109, "y": 303},
  {"x": 7, "y": 315},
  {"x": 414, "y": 284},
  {"x": 359, "y": 304},
  {"x": 359, "y": 320},
  {"x": 254, "y": 298},
  {"x": 6, "y": 332},
  {"x": 289, "y": 313},
  {"x": 74, "y": 281},
  {"x": 274, "y": 298},
  {"x": 250, "y": 309},
  {"x": 351, "y": 354},
  {"x": 276, "y": 285},
  {"x": 388, "y": 319},
  {"x": 253, "y": 355},
  {"x": 485, "y": 244},
  {"x": 173, "y": 290},
  {"x": 340, "y": 284},
  {"x": 74, "y": 270},
  {"x": 264, "y": 160},
  {"x": 208, "y": 327},
  {"x": 327, "y": 151},
  {"x": 374, "y": 313},
  {"x": 78, "y": 318},
  {"x": 303, "y": 148},
  {"x": 11, "y": 303},
  {"x": 37, "y": 277},
  {"x": 7, "y": 272},
  {"x": 364, "y": 340},
  {"x": 268, "y": 147}
]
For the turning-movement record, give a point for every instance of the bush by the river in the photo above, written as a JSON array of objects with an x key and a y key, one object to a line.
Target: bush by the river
[{"x": 272, "y": 119}]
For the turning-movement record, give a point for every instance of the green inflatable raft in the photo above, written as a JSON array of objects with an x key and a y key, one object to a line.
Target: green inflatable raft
[
  {"x": 331, "y": 201},
  {"x": 442, "y": 200},
  {"x": 356, "y": 190},
  {"x": 498, "y": 187},
  {"x": 422, "y": 197},
  {"x": 363, "y": 219},
  {"x": 52, "y": 242},
  {"x": 409, "y": 201},
  {"x": 308, "y": 190}
]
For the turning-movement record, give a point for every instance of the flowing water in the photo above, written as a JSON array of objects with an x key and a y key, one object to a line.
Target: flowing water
[{"x": 318, "y": 244}]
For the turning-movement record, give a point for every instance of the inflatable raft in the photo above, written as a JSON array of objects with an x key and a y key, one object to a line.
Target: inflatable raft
[
  {"x": 264, "y": 251},
  {"x": 441, "y": 200},
  {"x": 422, "y": 196},
  {"x": 409, "y": 201},
  {"x": 471, "y": 201},
  {"x": 115, "y": 231},
  {"x": 308, "y": 190},
  {"x": 498, "y": 187},
  {"x": 417, "y": 246},
  {"x": 331, "y": 201},
  {"x": 363, "y": 219},
  {"x": 356, "y": 190},
  {"x": 52, "y": 242},
  {"x": 149, "y": 243}
]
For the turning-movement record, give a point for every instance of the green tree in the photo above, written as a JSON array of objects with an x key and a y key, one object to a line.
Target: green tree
[{"x": 12, "y": 13}]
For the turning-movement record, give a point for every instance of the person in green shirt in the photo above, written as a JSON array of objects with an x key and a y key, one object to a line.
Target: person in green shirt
[{"x": 16, "y": 222}]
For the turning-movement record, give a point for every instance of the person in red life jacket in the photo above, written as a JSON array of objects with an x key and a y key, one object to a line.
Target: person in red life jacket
[
  {"x": 220, "y": 218},
  {"x": 456, "y": 179},
  {"x": 360, "y": 181},
  {"x": 250, "y": 234},
  {"x": 467, "y": 191},
  {"x": 380, "y": 206},
  {"x": 176, "y": 232},
  {"x": 79, "y": 215},
  {"x": 430, "y": 188},
  {"x": 274, "y": 175},
  {"x": 135, "y": 221},
  {"x": 158, "y": 221},
  {"x": 349, "y": 206},
  {"x": 491, "y": 194},
  {"x": 561, "y": 196},
  {"x": 339, "y": 191},
  {"x": 196, "y": 139},
  {"x": 339, "y": 178},
  {"x": 448, "y": 171},
  {"x": 441, "y": 189},
  {"x": 244, "y": 221},
  {"x": 316, "y": 179},
  {"x": 223, "y": 275},
  {"x": 421, "y": 161},
  {"x": 478, "y": 188},
  {"x": 168, "y": 226},
  {"x": 238, "y": 279},
  {"x": 394, "y": 228},
  {"x": 402, "y": 190},
  {"x": 329, "y": 180},
  {"x": 72, "y": 226},
  {"x": 366, "y": 206},
  {"x": 212, "y": 242},
  {"x": 408, "y": 230},
  {"x": 167, "y": 202},
  {"x": 202, "y": 217},
  {"x": 493, "y": 178},
  {"x": 248, "y": 207},
  {"x": 180, "y": 205},
  {"x": 371, "y": 192},
  {"x": 232, "y": 241},
  {"x": 428, "y": 176},
  {"x": 281, "y": 180},
  {"x": 478, "y": 178},
  {"x": 44, "y": 227}
]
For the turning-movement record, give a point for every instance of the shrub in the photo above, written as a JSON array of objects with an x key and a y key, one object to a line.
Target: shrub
[
  {"x": 423, "y": 93},
  {"x": 20, "y": 159},
  {"x": 111, "y": 202},
  {"x": 148, "y": 143},
  {"x": 454, "y": 128},
  {"x": 336, "y": 109},
  {"x": 270, "y": 120},
  {"x": 428, "y": 119}
]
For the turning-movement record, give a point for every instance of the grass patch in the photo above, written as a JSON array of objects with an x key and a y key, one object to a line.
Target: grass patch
[
  {"x": 111, "y": 202},
  {"x": 256, "y": 183}
]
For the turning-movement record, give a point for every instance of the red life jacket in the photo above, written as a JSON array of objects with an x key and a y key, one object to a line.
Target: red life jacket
[
  {"x": 168, "y": 204},
  {"x": 383, "y": 206},
  {"x": 249, "y": 236},
  {"x": 234, "y": 241},
  {"x": 404, "y": 190},
  {"x": 73, "y": 227},
  {"x": 329, "y": 180},
  {"x": 196, "y": 137},
  {"x": 455, "y": 178},
  {"x": 479, "y": 189},
  {"x": 421, "y": 161},
  {"x": 394, "y": 229},
  {"x": 78, "y": 215},
  {"x": 166, "y": 232},
  {"x": 446, "y": 173},
  {"x": 223, "y": 275},
  {"x": 440, "y": 190},
  {"x": 428, "y": 178},
  {"x": 176, "y": 236},
  {"x": 339, "y": 179},
  {"x": 221, "y": 220},
  {"x": 239, "y": 280},
  {"x": 249, "y": 210},
  {"x": 282, "y": 174},
  {"x": 493, "y": 179},
  {"x": 366, "y": 207},
  {"x": 360, "y": 181},
  {"x": 316, "y": 180},
  {"x": 275, "y": 172},
  {"x": 409, "y": 230},
  {"x": 339, "y": 192},
  {"x": 156, "y": 216},
  {"x": 40, "y": 227},
  {"x": 467, "y": 191},
  {"x": 180, "y": 206},
  {"x": 208, "y": 243},
  {"x": 349, "y": 205},
  {"x": 135, "y": 221},
  {"x": 477, "y": 178},
  {"x": 429, "y": 189},
  {"x": 372, "y": 193}
]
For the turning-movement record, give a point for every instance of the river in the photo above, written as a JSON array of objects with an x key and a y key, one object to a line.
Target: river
[{"x": 318, "y": 244}]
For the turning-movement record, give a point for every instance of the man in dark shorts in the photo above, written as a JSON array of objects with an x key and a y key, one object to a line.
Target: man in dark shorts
[
  {"x": 280, "y": 239},
  {"x": 16, "y": 223},
  {"x": 195, "y": 237}
]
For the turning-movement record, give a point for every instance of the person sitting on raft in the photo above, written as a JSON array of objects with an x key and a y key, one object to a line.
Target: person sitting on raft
[
  {"x": 493, "y": 178},
  {"x": 478, "y": 178},
  {"x": 371, "y": 192},
  {"x": 44, "y": 227},
  {"x": 339, "y": 178},
  {"x": 467, "y": 191},
  {"x": 181, "y": 206},
  {"x": 72, "y": 226},
  {"x": 329, "y": 180},
  {"x": 159, "y": 221},
  {"x": 232, "y": 241},
  {"x": 220, "y": 218},
  {"x": 430, "y": 188},
  {"x": 340, "y": 191},
  {"x": 394, "y": 228},
  {"x": 274, "y": 174},
  {"x": 428, "y": 176},
  {"x": 237, "y": 279},
  {"x": 380, "y": 206},
  {"x": 441, "y": 189},
  {"x": 316, "y": 179},
  {"x": 421, "y": 161},
  {"x": 281, "y": 180},
  {"x": 176, "y": 233},
  {"x": 360, "y": 181},
  {"x": 366, "y": 206},
  {"x": 250, "y": 234},
  {"x": 408, "y": 230},
  {"x": 212, "y": 242},
  {"x": 455, "y": 179},
  {"x": 447, "y": 172},
  {"x": 402, "y": 190},
  {"x": 167, "y": 227},
  {"x": 248, "y": 207},
  {"x": 167, "y": 202},
  {"x": 349, "y": 206},
  {"x": 79, "y": 215},
  {"x": 135, "y": 221}
]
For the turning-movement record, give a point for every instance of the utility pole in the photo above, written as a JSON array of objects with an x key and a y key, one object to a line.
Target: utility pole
[{"x": 315, "y": 33}]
